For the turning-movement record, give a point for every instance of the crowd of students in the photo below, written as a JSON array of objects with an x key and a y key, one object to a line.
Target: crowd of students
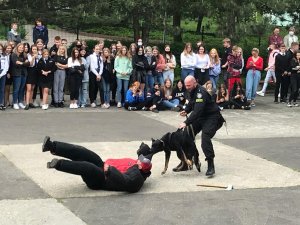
[{"x": 139, "y": 77}]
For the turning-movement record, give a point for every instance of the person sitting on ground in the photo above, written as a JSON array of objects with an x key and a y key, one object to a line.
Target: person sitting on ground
[
  {"x": 168, "y": 101},
  {"x": 154, "y": 100},
  {"x": 238, "y": 99},
  {"x": 134, "y": 97},
  {"x": 179, "y": 92},
  {"x": 222, "y": 97},
  {"x": 124, "y": 174}
]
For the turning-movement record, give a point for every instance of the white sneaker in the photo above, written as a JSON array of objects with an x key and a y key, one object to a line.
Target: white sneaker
[
  {"x": 16, "y": 106},
  {"x": 119, "y": 105},
  {"x": 289, "y": 104},
  {"x": 71, "y": 106},
  {"x": 45, "y": 106},
  {"x": 75, "y": 106},
  {"x": 108, "y": 106},
  {"x": 22, "y": 106},
  {"x": 82, "y": 106},
  {"x": 295, "y": 104},
  {"x": 260, "y": 93},
  {"x": 93, "y": 105}
]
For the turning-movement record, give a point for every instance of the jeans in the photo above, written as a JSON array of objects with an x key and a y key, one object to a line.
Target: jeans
[
  {"x": 169, "y": 74},
  {"x": 214, "y": 80},
  {"x": 106, "y": 91},
  {"x": 18, "y": 88},
  {"x": 83, "y": 93},
  {"x": 121, "y": 83},
  {"x": 159, "y": 78},
  {"x": 270, "y": 74},
  {"x": 149, "y": 83},
  {"x": 58, "y": 85},
  {"x": 2, "y": 89},
  {"x": 186, "y": 72},
  {"x": 171, "y": 103},
  {"x": 252, "y": 81}
]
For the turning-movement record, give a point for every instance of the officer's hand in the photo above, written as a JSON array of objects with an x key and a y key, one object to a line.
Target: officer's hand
[
  {"x": 183, "y": 113},
  {"x": 182, "y": 126},
  {"x": 106, "y": 167}
]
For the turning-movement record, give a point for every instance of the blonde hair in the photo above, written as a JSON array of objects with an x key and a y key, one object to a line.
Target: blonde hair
[
  {"x": 215, "y": 60},
  {"x": 185, "y": 52},
  {"x": 109, "y": 54},
  {"x": 64, "y": 48},
  {"x": 16, "y": 50},
  {"x": 255, "y": 50},
  {"x": 127, "y": 52}
]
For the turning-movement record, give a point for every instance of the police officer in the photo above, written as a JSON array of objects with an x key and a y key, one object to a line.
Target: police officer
[{"x": 205, "y": 115}]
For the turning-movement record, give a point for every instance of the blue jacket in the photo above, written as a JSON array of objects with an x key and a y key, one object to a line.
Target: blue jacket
[{"x": 133, "y": 99}]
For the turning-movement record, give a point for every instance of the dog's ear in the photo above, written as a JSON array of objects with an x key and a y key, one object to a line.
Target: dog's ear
[{"x": 152, "y": 140}]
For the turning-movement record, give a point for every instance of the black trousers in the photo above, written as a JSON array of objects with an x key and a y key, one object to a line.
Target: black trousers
[
  {"x": 75, "y": 82},
  {"x": 295, "y": 85},
  {"x": 201, "y": 77},
  {"x": 285, "y": 84},
  {"x": 138, "y": 105},
  {"x": 94, "y": 87},
  {"x": 277, "y": 87},
  {"x": 82, "y": 162},
  {"x": 239, "y": 103},
  {"x": 208, "y": 126}
]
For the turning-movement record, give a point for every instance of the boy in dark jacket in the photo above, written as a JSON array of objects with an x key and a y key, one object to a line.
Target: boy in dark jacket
[{"x": 114, "y": 174}]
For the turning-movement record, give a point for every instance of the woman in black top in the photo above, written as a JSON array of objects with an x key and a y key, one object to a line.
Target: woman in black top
[
  {"x": 138, "y": 64},
  {"x": 295, "y": 80},
  {"x": 40, "y": 31},
  {"x": 107, "y": 75},
  {"x": 46, "y": 67},
  {"x": 179, "y": 92}
]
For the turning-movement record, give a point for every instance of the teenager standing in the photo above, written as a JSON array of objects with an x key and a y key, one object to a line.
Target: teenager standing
[
  {"x": 4, "y": 66},
  {"x": 40, "y": 31}
]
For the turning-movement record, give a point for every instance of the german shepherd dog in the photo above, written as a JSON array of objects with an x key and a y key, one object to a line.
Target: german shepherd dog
[{"x": 183, "y": 142}]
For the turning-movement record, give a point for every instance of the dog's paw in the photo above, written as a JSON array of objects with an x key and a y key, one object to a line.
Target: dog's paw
[{"x": 163, "y": 172}]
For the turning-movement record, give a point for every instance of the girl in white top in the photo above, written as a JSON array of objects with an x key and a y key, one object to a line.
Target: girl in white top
[
  {"x": 202, "y": 65},
  {"x": 3, "y": 71},
  {"x": 188, "y": 61}
]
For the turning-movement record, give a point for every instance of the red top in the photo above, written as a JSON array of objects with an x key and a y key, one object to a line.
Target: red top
[
  {"x": 257, "y": 65},
  {"x": 121, "y": 164},
  {"x": 160, "y": 63}
]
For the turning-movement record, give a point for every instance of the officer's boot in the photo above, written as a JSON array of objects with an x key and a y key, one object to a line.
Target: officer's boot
[
  {"x": 47, "y": 145},
  {"x": 210, "y": 167},
  {"x": 52, "y": 164}
]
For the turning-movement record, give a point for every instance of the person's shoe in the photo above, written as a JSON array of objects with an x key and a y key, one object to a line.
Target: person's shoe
[
  {"x": 31, "y": 105},
  {"x": 119, "y": 105},
  {"x": 26, "y": 107},
  {"x": 252, "y": 104},
  {"x": 2, "y": 107},
  {"x": 221, "y": 108},
  {"x": 71, "y": 106},
  {"x": 260, "y": 93},
  {"x": 16, "y": 106},
  {"x": 283, "y": 101},
  {"x": 107, "y": 105},
  {"x": 21, "y": 105},
  {"x": 295, "y": 104},
  {"x": 45, "y": 106},
  {"x": 247, "y": 107},
  {"x": 276, "y": 101},
  {"x": 52, "y": 164},
  {"x": 56, "y": 105},
  {"x": 61, "y": 105},
  {"x": 175, "y": 109},
  {"x": 289, "y": 104},
  {"x": 132, "y": 108},
  {"x": 145, "y": 109},
  {"x": 47, "y": 144},
  {"x": 93, "y": 105},
  {"x": 75, "y": 106},
  {"x": 210, "y": 168},
  {"x": 155, "y": 110}
]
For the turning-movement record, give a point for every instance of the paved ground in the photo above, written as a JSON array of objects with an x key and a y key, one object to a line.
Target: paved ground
[{"x": 258, "y": 154}]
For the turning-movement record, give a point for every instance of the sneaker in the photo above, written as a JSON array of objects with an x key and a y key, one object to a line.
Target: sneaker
[
  {"x": 2, "y": 107},
  {"x": 119, "y": 105},
  {"x": 295, "y": 104},
  {"x": 47, "y": 144},
  {"x": 31, "y": 105},
  {"x": 21, "y": 105},
  {"x": 56, "y": 105},
  {"x": 132, "y": 108},
  {"x": 252, "y": 104},
  {"x": 247, "y": 107},
  {"x": 61, "y": 105},
  {"x": 108, "y": 105},
  {"x": 260, "y": 93},
  {"x": 36, "y": 104},
  {"x": 155, "y": 110},
  {"x": 75, "y": 106},
  {"x": 26, "y": 107},
  {"x": 221, "y": 108},
  {"x": 82, "y": 106},
  {"x": 45, "y": 106},
  {"x": 16, "y": 106},
  {"x": 104, "y": 106},
  {"x": 289, "y": 104},
  {"x": 71, "y": 106},
  {"x": 276, "y": 101},
  {"x": 93, "y": 105}
]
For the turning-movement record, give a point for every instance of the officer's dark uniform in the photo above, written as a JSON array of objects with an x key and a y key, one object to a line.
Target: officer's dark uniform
[{"x": 205, "y": 115}]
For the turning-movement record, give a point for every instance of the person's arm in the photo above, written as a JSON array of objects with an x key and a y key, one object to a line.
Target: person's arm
[
  {"x": 198, "y": 110},
  {"x": 101, "y": 66},
  {"x": 46, "y": 36},
  {"x": 129, "y": 68},
  {"x": 129, "y": 96},
  {"x": 6, "y": 67},
  {"x": 249, "y": 64},
  {"x": 259, "y": 64}
]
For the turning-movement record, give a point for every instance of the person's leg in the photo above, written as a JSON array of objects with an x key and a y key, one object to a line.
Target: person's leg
[
  {"x": 91, "y": 174},
  {"x": 119, "y": 89},
  {"x": 2, "y": 90},
  {"x": 125, "y": 86},
  {"x": 277, "y": 87},
  {"x": 267, "y": 79},
  {"x": 22, "y": 89},
  {"x": 45, "y": 95},
  {"x": 92, "y": 83},
  {"x": 175, "y": 101},
  {"x": 99, "y": 89},
  {"x": 78, "y": 81},
  {"x": 75, "y": 153},
  {"x": 183, "y": 74},
  {"x": 212, "y": 79},
  {"x": 249, "y": 84},
  {"x": 293, "y": 87},
  {"x": 16, "y": 88},
  {"x": 160, "y": 79},
  {"x": 62, "y": 79},
  {"x": 55, "y": 85},
  {"x": 256, "y": 80},
  {"x": 168, "y": 104},
  {"x": 297, "y": 89}
]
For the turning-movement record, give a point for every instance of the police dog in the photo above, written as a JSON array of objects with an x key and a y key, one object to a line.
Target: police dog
[{"x": 183, "y": 142}]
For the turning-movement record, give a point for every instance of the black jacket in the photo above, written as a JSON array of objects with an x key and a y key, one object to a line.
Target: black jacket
[
  {"x": 40, "y": 34},
  {"x": 18, "y": 70},
  {"x": 281, "y": 64},
  {"x": 202, "y": 105},
  {"x": 49, "y": 65},
  {"x": 294, "y": 66},
  {"x": 150, "y": 67},
  {"x": 130, "y": 181}
]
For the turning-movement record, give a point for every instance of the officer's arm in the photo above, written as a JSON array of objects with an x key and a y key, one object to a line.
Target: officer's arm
[{"x": 198, "y": 110}]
